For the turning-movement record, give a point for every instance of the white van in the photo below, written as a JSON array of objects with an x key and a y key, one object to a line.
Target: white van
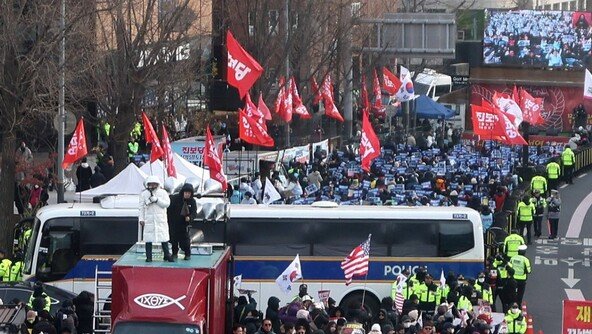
[{"x": 432, "y": 84}]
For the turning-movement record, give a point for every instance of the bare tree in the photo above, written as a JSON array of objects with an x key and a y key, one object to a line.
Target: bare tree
[
  {"x": 29, "y": 35},
  {"x": 148, "y": 58}
]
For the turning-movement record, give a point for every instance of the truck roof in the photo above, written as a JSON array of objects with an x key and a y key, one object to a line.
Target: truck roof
[{"x": 135, "y": 257}]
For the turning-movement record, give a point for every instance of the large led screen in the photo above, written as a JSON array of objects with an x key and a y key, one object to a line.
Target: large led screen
[{"x": 544, "y": 39}]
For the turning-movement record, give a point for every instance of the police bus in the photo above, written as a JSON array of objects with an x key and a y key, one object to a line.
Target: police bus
[{"x": 265, "y": 239}]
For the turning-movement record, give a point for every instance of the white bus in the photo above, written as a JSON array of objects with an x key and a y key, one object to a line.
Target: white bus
[{"x": 265, "y": 239}]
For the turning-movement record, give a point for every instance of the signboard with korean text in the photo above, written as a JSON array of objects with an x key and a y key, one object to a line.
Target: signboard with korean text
[{"x": 577, "y": 316}]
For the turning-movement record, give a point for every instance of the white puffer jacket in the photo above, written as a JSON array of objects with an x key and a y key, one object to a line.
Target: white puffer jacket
[{"x": 153, "y": 212}]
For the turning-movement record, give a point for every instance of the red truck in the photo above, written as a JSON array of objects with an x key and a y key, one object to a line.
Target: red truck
[{"x": 184, "y": 297}]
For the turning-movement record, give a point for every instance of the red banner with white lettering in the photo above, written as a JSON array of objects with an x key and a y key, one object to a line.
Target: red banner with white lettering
[
  {"x": 77, "y": 147},
  {"x": 213, "y": 160},
  {"x": 283, "y": 103},
  {"x": 297, "y": 105},
  {"x": 377, "y": 92},
  {"x": 369, "y": 143},
  {"x": 243, "y": 70},
  {"x": 253, "y": 111},
  {"x": 577, "y": 317},
  {"x": 330, "y": 108},
  {"x": 391, "y": 82},
  {"x": 531, "y": 108},
  {"x": 151, "y": 138},
  {"x": 168, "y": 153},
  {"x": 252, "y": 132}
]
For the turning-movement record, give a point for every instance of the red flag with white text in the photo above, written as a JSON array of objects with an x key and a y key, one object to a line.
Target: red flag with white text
[
  {"x": 252, "y": 132},
  {"x": 263, "y": 108},
  {"x": 213, "y": 160},
  {"x": 531, "y": 108},
  {"x": 486, "y": 123},
  {"x": 330, "y": 108},
  {"x": 168, "y": 153},
  {"x": 391, "y": 82},
  {"x": 369, "y": 144},
  {"x": 364, "y": 95},
  {"x": 77, "y": 148},
  {"x": 151, "y": 138},
  {"x": 297, "y": 105},
  {"x": 314, "y": 87},
  {"x": 243, "y": 70},
  {"x": 377, "y": 92},
  {"x": 283, "y": 102}
]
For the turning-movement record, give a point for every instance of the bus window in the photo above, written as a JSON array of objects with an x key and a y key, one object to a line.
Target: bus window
[
  {"x": 338, "y": 237},
  {"x": 58, "y": 252},
  {"x": 442, "y": 90},
  {"x": 455, "y": 237},
  {"x": 31, "y": 247},
  {"x": 251, "y": 236},
  {"x": 98, "y": 236},
  {"x": 414, "y": 238}
]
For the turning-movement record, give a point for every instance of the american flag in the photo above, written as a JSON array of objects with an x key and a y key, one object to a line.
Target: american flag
[
  {"x": 399, "y": 298},
  {"x": 356, "y": 263}
]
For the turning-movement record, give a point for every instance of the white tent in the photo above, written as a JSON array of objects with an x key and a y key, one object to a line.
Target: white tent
[
  {"x": 129, "y": 182},
  {"x": 185, "y": 169}
]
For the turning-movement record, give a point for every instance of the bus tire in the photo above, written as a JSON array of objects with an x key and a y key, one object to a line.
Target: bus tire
[{"x": 371, "y": 302}]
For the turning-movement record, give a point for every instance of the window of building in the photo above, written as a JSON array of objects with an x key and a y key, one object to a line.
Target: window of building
[{"x": 273, "y": 22}]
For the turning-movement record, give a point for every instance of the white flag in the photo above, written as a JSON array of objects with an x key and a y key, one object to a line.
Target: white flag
[
  {"x": 238, "y": 281},
  {"x": 290, "y": 275},
  {"x": 406, "y": 91},
  {"x": 442, "y": 279},
  {"x": 270, "y": 194},
  {"x": 508, "y": 106},
  {"x": 588, "y": 85}
]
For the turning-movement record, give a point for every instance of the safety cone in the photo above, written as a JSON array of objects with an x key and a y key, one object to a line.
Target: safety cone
[
  {"x": 529, "y": 328},
  {"x": 541, "y": 332},
  {"x": 524, "y": 310}
]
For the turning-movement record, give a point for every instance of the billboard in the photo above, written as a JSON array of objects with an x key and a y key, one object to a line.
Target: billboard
[{"x": 543, "y": 39}]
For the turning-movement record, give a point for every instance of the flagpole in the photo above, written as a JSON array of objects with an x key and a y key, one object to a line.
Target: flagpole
[{"x": 364, "y": 291}]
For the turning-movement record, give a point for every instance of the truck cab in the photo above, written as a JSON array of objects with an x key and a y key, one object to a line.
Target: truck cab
[
  {"x": 172, "y": 297},
  {"x": 432, "y": 84}
]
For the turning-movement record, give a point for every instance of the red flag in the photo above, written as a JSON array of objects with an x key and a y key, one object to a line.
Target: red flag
[
  {"x": 356, "y": 263},
  {"x": 283, "y": 103},
  {"x": 531, "y": 108},
  {"x": 156, "y": 152},
  {"x": 515, "y": 95},
  {"x": 243, "y": 70},
  {"x": 369, "y": 145},
  {"x": 315, "y": 91},
  {"x": 263, "y": 108},
  {"x": 330, "y": 108},
  {"x": 77, "y": 146},
  {"x": 168, "y": 153},
  {"x": 391, "y": 82},
  {"x": 252, "y": 132},
  {"x": 512, "y": 136},
  {"x": 298, "y": 106},
  {"x": 364, "y": 95},
  {"x": 377, "y": 92},
  {"x": 212, "y": 159},
  {"x": 486, "y": 123},
  {"x": 280, "y": 97},
  {"x": 253, "y": 112}
]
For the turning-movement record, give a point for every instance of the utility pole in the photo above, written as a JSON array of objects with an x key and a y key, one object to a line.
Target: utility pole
[
  {"x": 346, "y": 36},
  {"x": 287, "y": 39},
  {"x": 62, "y": 110}
]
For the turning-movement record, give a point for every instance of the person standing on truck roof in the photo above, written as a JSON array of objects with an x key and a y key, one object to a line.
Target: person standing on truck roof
[
  {"x": 154, "y": 202},
  {"x": 180, "y": 214}
]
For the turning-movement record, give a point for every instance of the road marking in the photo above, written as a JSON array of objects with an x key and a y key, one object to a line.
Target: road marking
[
  {"x": 577, "y": 218},
  {"x": 581, "y": 176},
  {"x": 563, "y": 186},
  {"x": 574, "y": 294}
]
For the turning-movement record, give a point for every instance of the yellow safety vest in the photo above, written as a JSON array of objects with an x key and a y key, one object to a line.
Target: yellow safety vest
[
  {"x": 553, "y": 170},
  {"x": 568, "y": 157},
  {"x": 464, "y": 303},
  {"x": 16, "y": 271},
  {"x": 5, "y": 269},
  {"x": 511, "y": 244},
  {"x": 525, "y": 212},
  {"x": 539, "y": 183},
  {"x": 516, "y": 323},
  {"x": 521, "y": 266}
]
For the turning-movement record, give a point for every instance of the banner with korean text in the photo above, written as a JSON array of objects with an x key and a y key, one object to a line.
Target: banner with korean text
[{"x": 577, "y": 317}]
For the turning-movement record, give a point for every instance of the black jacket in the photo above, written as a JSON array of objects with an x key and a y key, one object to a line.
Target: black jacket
[
  {"x": 175, "y": 214},
  {"x": 272, "y": 313}
]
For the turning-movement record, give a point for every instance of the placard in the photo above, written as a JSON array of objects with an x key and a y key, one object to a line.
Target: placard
[{"x": 577, "y": 316}]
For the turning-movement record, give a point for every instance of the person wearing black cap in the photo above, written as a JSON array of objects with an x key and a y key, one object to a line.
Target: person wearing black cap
[
  {"x": 181, "y": 212},
  {"x": 302, "y": 291}
]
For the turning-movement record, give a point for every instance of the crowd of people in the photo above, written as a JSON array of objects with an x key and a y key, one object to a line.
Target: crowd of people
[{"x": 535, "y": 38}]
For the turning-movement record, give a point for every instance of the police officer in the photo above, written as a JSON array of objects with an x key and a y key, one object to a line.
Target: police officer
[
  {"x": 509, "y": 293},
  {"x": 521, "y": 266},
  {"x": 511, "y": 244},
  {"x": 132, "y": 148},
  {"x": 525, "y": 216},
  {"x": 568, "y": 159},
  {"x": 515, "y": 320},
  {"x": 181, "y": 212},
  {"x": 553, "y": 174},
  {"x": 5, "y": 265},
  {"x": 540, "y": 203},
  {"x": 483, "y": 289},
  {"x": 539, "y": 183},
  {"x": 401, "y": 280},
  {"x": 499, "y": 268},
  {"x": 16, "y": 270},
  {"x": 39, "y": 292}
]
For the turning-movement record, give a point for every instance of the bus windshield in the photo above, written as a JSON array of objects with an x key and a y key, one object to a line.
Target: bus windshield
[{"x": 31, "y": 247}]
